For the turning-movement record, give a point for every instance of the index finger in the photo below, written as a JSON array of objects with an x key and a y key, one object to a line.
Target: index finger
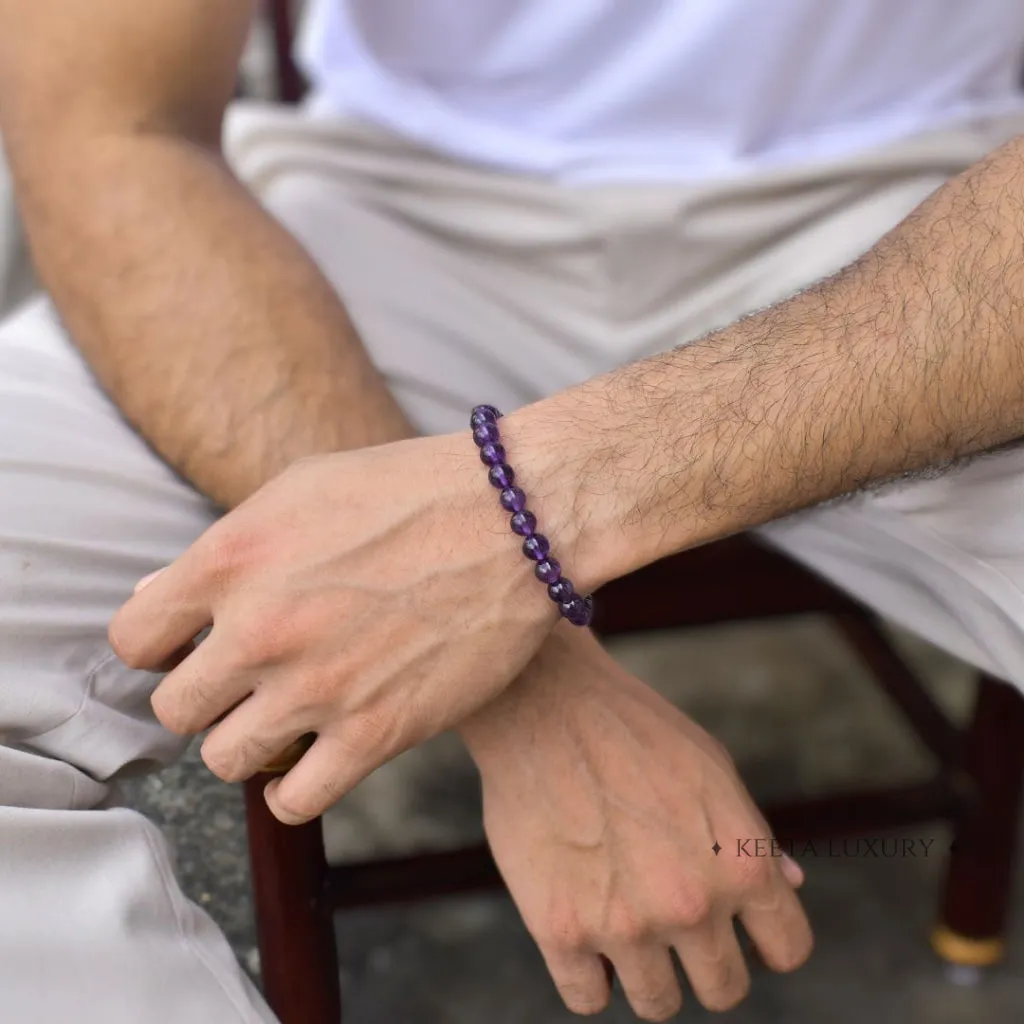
[
  {"x": 775, "y": 919},
  {"x": 167, "y": 610}
]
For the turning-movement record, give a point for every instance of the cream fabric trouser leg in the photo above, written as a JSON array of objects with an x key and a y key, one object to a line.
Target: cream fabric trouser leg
[{"x": 467, "y": 286}]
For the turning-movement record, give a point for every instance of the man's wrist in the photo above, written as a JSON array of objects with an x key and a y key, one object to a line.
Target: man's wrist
[
  {"x": 559, "y": 463},
  {"x": 665, "y": 454},
  {"x": 508, "y": 721}
]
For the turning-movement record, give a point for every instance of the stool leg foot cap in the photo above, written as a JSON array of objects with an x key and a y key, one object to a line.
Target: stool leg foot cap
[{"x": 963, "y": 951}]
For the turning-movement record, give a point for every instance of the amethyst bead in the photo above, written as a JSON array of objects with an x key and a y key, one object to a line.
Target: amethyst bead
[
  {"x": 578, "y": 610},
  {"x": 486, "y": 433},
  {"x": 524, "y": 523},
  {"x": 483, "y": 414},
  {"x": 512, "y": 499},
  {"x": 574, "y": 607},
  {"x": 492, "y": 454},
  {"x": 548, "y": 571},
  {"x": 501, "y": 476},
  {"x": 536, "y": 547}
]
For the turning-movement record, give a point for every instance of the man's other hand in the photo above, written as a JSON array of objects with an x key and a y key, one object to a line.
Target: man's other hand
[
  {"x": 373, "y": 597},
  {"x": 621, "y": 828}
]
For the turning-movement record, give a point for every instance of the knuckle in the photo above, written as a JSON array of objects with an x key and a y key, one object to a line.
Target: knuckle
[
  {"x": 223, "y": 554},
  {"x": 123, "y": 644},
  {"x": 373, "y": 732},
  {"x": 170, "y": 714},
  {"x": 627, "y": 929},
  {"x": 322, "y": 685},
  {"x": 263, "y": 637},
  {"x": 185, "y": 711},
  {"x": 227, "y": 550},
  {"x": 561, "y": 933},
  {"x": 287, "y": 803},
  {"x": 659, "y": 1005},
  {"x": 328, "y": 793},
  {"x": 726, "y": 989},
  {"x": 582, "y": 998},
  {"x": 201, "y": 696},
  {"x": 689, "y": 907},
  {"x": 237, "y": 762},
  {"x": 753, "y": 872},
  {"x": 221, "y": 762},
  {"x": 789, "y": 956},
  {"x": 302, "y": 801},
  {"x": 295, "y": 807}
]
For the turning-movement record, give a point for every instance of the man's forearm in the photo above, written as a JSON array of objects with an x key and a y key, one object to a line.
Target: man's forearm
[
  {"x": 209, "y": 326},
  {"x": 911, "y": 357}
]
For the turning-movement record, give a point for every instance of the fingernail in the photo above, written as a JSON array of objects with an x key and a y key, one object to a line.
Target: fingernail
[
  {"x": 146, "y": 580},
  {"x": 793, "y": 872}
]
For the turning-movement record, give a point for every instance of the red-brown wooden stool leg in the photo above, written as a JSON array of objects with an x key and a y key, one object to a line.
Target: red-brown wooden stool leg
[
  {"x": 298, "y": 953},
  {"x": 980, "y": 873}
]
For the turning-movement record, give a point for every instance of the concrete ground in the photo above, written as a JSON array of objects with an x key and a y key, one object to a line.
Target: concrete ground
[{"x": 799, "y": 715}]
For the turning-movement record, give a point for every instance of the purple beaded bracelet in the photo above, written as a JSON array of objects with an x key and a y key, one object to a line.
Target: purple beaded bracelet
[{"x": 577, "y": 609}]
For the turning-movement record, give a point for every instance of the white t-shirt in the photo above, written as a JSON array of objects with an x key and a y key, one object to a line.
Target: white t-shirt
[{"x": 592, "y": 90}]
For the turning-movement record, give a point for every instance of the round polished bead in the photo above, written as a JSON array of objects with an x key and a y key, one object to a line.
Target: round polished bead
[
  {"x": 536, "y": 547},
  {"x": 512, "y": 499},
  {"x": 561, "y": 591},
  {"x": 524, "y": 523},
  {"x": 501, "y": 476},
  {"x": 486, "y": 433},
  {"x": 548, "y": 571},
  {"x": 578, "y": 610},
  {"x": 492, "y": 454},
  {"x": 483, "y": 414}
]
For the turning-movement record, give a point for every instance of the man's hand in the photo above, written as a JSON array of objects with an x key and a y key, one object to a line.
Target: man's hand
[
  {"x": 374, "y": 597},
  {"x": 602, "y": 805}
]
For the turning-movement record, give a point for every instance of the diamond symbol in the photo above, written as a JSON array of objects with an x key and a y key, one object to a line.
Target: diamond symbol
[{"x": 716, "y": 848}]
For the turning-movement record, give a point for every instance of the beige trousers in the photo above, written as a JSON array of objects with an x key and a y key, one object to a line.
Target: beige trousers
[{"x": 467, "y": 286}]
